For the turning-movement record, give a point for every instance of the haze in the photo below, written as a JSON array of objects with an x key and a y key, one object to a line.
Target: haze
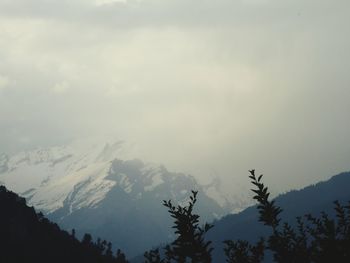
[{"x": 211, "y": 88}]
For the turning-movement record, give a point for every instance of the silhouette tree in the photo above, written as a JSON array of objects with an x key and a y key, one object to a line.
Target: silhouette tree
[
  {"x": 318, "y": 240},
  {"x": 243, "y": 252},
  {"x": 153, "y": 256},
  {"x": 120, "y": 257},
  {"x": 87, "y": 240},
  {"x": 190, "y": 244}
]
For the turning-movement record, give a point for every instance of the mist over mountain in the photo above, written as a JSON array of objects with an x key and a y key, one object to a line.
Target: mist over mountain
[
  {"x": 109, "y": 107},
  {"x": 204, "y": 87},
  {"x": 96, "y": 189}
]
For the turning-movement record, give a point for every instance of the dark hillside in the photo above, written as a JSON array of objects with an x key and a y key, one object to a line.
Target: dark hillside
[{"x": 26, "y": 236}]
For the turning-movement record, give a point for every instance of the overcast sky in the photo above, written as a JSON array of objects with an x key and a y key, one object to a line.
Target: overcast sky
[{"x": 209, "y": 87}]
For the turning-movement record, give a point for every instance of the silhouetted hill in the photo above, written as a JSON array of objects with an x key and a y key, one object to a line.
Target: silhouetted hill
[
  {"x": 312, "y": 199},
  {"x": 26, "y": 236}
]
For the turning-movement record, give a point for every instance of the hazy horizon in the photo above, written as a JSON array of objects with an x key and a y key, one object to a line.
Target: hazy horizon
[{"x": 211, "y": 88}]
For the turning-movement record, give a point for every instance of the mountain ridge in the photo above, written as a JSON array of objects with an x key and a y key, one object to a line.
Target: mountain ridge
[
  {"x": 47, "y": 176},
  {"x": 312, "y": 199},
  {"x": 96, "y": 188}
]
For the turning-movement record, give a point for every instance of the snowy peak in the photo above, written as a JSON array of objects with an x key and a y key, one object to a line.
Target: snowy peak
[
  {"x": 3, "y": 163},
  {"x": 234, "y": 201},
  {"x": 97, "y": 188},
  {"x": 81, "y": 175},
  {"x": 109, "y": 152},
  {"x": 48, "y": 176}
]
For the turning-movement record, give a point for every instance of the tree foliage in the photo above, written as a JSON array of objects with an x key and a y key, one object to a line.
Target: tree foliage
[
  {"x": 190, "y": 244},
  {"x": 312, "y": 239},
  {"x": 243, "y": 252},
  {"x": 153, "y": 256}
]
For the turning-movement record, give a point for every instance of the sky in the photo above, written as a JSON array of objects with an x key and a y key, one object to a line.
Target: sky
[{"x": 211, "y": 88}]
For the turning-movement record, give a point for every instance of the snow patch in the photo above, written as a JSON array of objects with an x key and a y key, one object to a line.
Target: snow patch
[
  {"x": 157, "y": 179},
  {"x": 125, "y": 183}
]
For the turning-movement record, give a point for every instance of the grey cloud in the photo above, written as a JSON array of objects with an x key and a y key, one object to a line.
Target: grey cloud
[
  {"x": 171, "y": 13},
  {"x": 202, "y": 86}
]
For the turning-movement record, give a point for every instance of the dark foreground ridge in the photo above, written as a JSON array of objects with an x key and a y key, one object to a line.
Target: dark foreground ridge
[{"x": 27, "y": 236}]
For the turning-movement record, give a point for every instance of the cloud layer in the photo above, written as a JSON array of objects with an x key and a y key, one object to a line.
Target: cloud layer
[{"x": 209, "y": 87}]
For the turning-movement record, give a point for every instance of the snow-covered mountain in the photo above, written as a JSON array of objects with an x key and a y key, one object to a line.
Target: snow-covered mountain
[
  {"x": 46, "y": 177},
  {"x": 95, "y": 188}
]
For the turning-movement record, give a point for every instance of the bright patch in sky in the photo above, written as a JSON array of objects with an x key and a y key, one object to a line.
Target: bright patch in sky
[
  {"x": 4, "y": 82},
  {"x": 108, "y": 2}
]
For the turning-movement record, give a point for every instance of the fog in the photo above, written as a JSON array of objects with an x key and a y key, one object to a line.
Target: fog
[{"x": 211, "y": 88}]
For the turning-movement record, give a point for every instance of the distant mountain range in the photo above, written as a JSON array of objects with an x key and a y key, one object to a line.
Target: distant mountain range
[
  {"x": 245, "y": 225},
  {"x": 121, "y": 199},
  {"x": 94, "y": 188}
]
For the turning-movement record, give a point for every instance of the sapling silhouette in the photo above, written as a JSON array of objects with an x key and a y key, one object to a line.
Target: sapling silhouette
[
  {"x": 153, "y": 256},
  {"x": 190, "y": 244},
  {"x": 243, "y": 252},
  {"x": 312, "y": 240}
]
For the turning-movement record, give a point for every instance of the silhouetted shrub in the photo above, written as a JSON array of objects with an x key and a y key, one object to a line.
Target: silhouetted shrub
[
  {"x": 312, "y": 240},
  {"x": 190, "y": 244}
]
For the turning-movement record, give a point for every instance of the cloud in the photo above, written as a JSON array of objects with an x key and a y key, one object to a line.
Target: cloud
[
  {"x": 202, "y": 86},
  {"x": 4, "y": 82},
  {"x": 61, "y": 87},
  {"x": 109, "y": 2}
]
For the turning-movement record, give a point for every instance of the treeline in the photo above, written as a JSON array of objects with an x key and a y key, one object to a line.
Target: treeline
[
  {"x": 313, "y": 239},
  {"x": 27, "y": 236}
]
